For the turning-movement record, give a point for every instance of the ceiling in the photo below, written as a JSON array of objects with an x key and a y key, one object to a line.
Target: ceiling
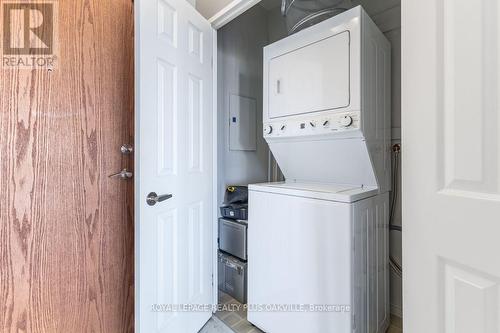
[{"x": 209, "y": 8}]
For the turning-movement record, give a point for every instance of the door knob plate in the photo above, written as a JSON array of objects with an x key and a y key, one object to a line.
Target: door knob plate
[{"x": 126, "y": 149}]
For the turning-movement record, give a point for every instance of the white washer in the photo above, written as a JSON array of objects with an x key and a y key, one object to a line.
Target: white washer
[
  {"x": 312, "y": 241},
  {"x": 322, "y": 245}
]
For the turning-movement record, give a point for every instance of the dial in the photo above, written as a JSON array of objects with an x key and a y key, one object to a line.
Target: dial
[
  {"x": 326, "y": 123},
  {"x": 268, "y": 129},
  {"x": 283, "y": 127},
  {"x": 346, "y": 121},
  {"x": 313, "y": 124}
]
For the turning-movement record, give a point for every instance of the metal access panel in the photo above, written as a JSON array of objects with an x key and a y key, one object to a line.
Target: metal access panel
[
  {"x": 242, "y": 123},
  {"x": 233, "y": 237}
]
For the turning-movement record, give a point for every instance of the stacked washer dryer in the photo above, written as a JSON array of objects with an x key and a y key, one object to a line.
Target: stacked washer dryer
[{"x": 318, "y": 242}]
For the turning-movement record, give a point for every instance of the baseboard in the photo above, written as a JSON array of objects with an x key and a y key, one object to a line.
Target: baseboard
[{"x": 397, "y": 310}]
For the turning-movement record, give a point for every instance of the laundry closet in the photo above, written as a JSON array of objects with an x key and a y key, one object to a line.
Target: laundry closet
[{"x": 244, "y": 157}]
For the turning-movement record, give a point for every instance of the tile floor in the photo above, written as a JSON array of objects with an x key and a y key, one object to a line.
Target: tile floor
[
  {"x": 215, "y": 325},
  {"x": 235, "y": 316},
  {"x": 234, "y": 319},
  {"x": 396, "y": 325}
]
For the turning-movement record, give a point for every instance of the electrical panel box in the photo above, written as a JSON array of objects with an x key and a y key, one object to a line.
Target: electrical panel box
[{"x": 242, "y": 123}]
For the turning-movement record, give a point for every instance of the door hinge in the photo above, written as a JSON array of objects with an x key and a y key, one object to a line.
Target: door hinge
[
  {"x": 353, "y": 322},
  {"x": 212, "y": 280}
]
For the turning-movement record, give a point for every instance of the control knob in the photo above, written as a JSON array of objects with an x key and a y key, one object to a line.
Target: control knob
[
  {"x": 268, "y": 129},
  {"x": 346, "y": 121}
]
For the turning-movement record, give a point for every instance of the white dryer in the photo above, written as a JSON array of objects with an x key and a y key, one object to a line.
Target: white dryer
[{"x": 318, "y": 243}]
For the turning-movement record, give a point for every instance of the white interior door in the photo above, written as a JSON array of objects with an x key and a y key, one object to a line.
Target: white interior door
[
  {"x": 451, "y": 166},
  {"x": 174, "y": 138}
]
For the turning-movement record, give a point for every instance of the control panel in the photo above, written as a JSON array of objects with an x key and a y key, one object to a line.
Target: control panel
[{"x": 313, "y": 125}]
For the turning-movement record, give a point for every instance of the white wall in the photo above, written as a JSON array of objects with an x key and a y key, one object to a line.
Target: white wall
[
  {"x": 240, "y": 67},
  {"x": 386, "y": 14}
]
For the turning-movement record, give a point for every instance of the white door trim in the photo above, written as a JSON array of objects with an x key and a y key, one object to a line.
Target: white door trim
[
  {"x": 215, "y": 227},
  {"x": 230, "y": 12},
  {"x": 137, "y": 126}
]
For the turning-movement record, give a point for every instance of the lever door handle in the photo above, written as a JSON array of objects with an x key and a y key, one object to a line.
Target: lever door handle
[
  {"x": 154, "y": 198},
  {"x": 123, "y": 175}
]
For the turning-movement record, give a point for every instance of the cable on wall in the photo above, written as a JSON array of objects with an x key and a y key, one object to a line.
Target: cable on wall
[{"x": 396, "y": 149}]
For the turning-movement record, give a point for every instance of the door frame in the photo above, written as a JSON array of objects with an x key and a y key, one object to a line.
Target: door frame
[
  {"x": 215, "y": 218},
  {"x": 230, "y": 12}
]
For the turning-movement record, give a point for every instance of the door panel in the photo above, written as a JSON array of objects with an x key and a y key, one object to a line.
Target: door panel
[
  {"x": 174, "y": 131},
  {"x": 451, "y": 173},
  {"x": 66, "y": 229}
]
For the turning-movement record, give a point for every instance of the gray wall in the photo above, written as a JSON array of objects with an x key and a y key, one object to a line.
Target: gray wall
[
  {"x": 276, "y": 24},
  {"x": 239, "y": 62}
]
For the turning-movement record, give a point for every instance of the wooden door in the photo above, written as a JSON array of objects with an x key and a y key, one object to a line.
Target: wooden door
[{"x": 66, "y": 229}]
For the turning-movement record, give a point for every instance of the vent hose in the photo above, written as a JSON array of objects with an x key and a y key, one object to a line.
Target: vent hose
[{"x": 300, "y": 14}]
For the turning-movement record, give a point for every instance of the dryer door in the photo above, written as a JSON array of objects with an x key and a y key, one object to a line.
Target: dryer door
[{"x": 310, "y": 79}]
